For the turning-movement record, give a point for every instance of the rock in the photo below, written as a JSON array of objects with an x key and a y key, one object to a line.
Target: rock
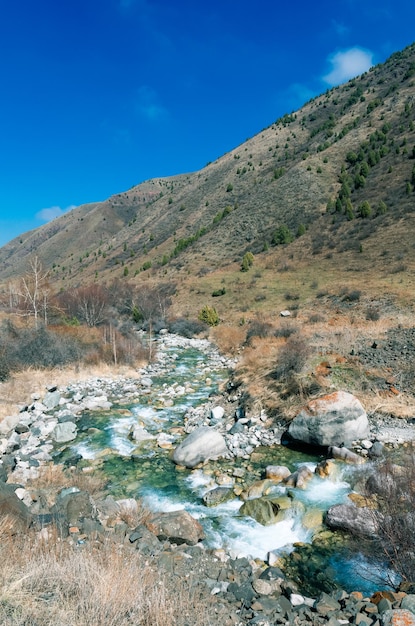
[
  {"x": 277, "y": 472},
  {"x": 333, "y": 420},
  {"x": 325, "y": 604},
  {"x": 357, "y": 520},
  {"x": 52, "y": 399},
  {"x": 146, "y": 542},
  {"x": 24, "y": 496},
  {"x": 263, "y": 510},
  {"x": 398, "y": 617},
  {"x": 312, "y": 519},
  {"x": 64, "y": 432},
  {"x": 138, "y": 434},
  {"x": 325, "y": 468},
  {"x": 93, "y": 403},
  {"x": 266, "y": 587},
  {"x": 300, "y": 478},
  {"x": 346, "y": 455},
  {"x": 217, "y": 412},
  {"x": 218, "y": 495},
  {"x": 377, "y": 450},
  {"x": 258, "y": 489},
  {"x": 201, "y": 445},
  {"x": 14, "y": 514},
  {"x": 8, "y": 423},
  {"x": 244, "y": 593},
  {"x": 72, "y": 506},
  {"x": 408, "y": 602},
  {"x": 176, "y": 526},
  {"x": 285, "y": 313}
]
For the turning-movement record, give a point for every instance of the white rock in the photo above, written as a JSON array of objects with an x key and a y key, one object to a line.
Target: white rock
[{"x": 217, "y": 412}]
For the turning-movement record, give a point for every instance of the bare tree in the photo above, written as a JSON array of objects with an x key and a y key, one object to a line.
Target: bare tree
[
  {"x": 30, "y": 295},
  {"x": 88, "y": 304}
]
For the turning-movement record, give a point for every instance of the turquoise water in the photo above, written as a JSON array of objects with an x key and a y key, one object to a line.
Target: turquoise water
[{"x": 145, "y": 471}]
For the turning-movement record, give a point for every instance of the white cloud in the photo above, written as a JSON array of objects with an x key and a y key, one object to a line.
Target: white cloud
[
  {"x": 148, "y": 105},
  {"x": 46, "y": 215},
  {"x": 347, "y": 64}
]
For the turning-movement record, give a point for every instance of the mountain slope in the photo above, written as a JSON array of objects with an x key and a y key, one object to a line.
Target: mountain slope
[{"x": 311, "y": 171}]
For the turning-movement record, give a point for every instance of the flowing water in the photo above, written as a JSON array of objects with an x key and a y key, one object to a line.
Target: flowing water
[{"x": 145, "y": 470}]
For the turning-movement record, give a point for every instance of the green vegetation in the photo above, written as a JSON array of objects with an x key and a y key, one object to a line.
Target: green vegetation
[
  {"x": 209, "y": 315},
  {"x": 282, "y": 235},
  {"x": 247, "y": 261}
]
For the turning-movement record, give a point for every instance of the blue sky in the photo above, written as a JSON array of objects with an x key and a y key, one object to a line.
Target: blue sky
[{"x": 99, "y": 95}]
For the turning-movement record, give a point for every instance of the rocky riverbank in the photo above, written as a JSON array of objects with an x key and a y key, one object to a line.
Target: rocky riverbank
[{"x": 241, "y": 590}]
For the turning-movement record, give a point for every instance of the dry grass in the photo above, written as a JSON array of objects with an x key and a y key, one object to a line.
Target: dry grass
[
  {"x": 57, "y": 477},
  {"x": 229, "y": 338},
  {"x": 21, "y": 385},
  {"x": 49, "y": 584}
]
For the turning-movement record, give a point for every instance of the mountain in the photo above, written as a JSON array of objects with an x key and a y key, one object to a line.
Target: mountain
[{"x": 329, "y": 188}]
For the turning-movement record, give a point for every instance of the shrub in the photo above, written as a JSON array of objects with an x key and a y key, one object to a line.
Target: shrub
[
  {"x": 218, "y": 292},
  {"x": 352, "y": 296},
  {"x": 291, "y": 358},
  {"x": 209, "y": 315},
  {"x": 282, "y": 235},
  {"x": 247, "y": 261},
  {"x": 259, "y": 328},
  {"x": 186, "y": 328},
  {"x": 315, "y": 318},
  {"x": 285, "y": 330},
  {"x": 290, "y": 295},
  {"x": 394, "y": 489},
  {"x": 4, "y": 366},
  {"x": 372, "y": 313}
]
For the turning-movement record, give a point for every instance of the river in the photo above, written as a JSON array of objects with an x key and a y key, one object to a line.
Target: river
[{"x": 186, "y": 373}]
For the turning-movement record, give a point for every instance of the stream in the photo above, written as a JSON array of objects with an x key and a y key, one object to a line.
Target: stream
[{"x": 186, "y": 373}]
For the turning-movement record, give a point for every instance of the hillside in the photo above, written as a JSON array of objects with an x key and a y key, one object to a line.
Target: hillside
[{"x": 339, "y": 174}]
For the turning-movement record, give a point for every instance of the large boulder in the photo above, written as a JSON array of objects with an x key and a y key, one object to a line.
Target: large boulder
[
  {"x": 333, "y": 420},
  {"x": 352, "y": 519},
  {"x": 177, "y": 527},
  {"x": 217, "y": 496},
  {"x": 65, "y": 432},
  {"x": 14, "y": 514},
  {"x": 263, "y": 510},
  {"x": 201, "y": 445}
]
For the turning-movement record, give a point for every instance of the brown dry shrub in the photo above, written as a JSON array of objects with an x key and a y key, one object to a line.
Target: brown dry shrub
[{"x": 228, "y": 338}]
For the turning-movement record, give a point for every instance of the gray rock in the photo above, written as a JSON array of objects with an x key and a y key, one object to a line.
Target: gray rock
[
  {"x": 263, "y": 510},
  {"x": 176, "y": 526},
  {"x": 346, "y": 455},
  {"x": 398, "y": 617},
  {"x": 357, "y": 520},
  {"x": 333, "y": 420},
  {"x": 9, "y": 422},
  {"x": 72, "y": 506},
  {"x": 64, "y": 432},
  {"x": 325, "y": 604},
  {"x": 408, "y": 602},
  {"x": 201, "y": 445},
  {"x": 218, "y": 495},
  {"x": 51, "y": 400},
  {"x": 14, "y": 514}
]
